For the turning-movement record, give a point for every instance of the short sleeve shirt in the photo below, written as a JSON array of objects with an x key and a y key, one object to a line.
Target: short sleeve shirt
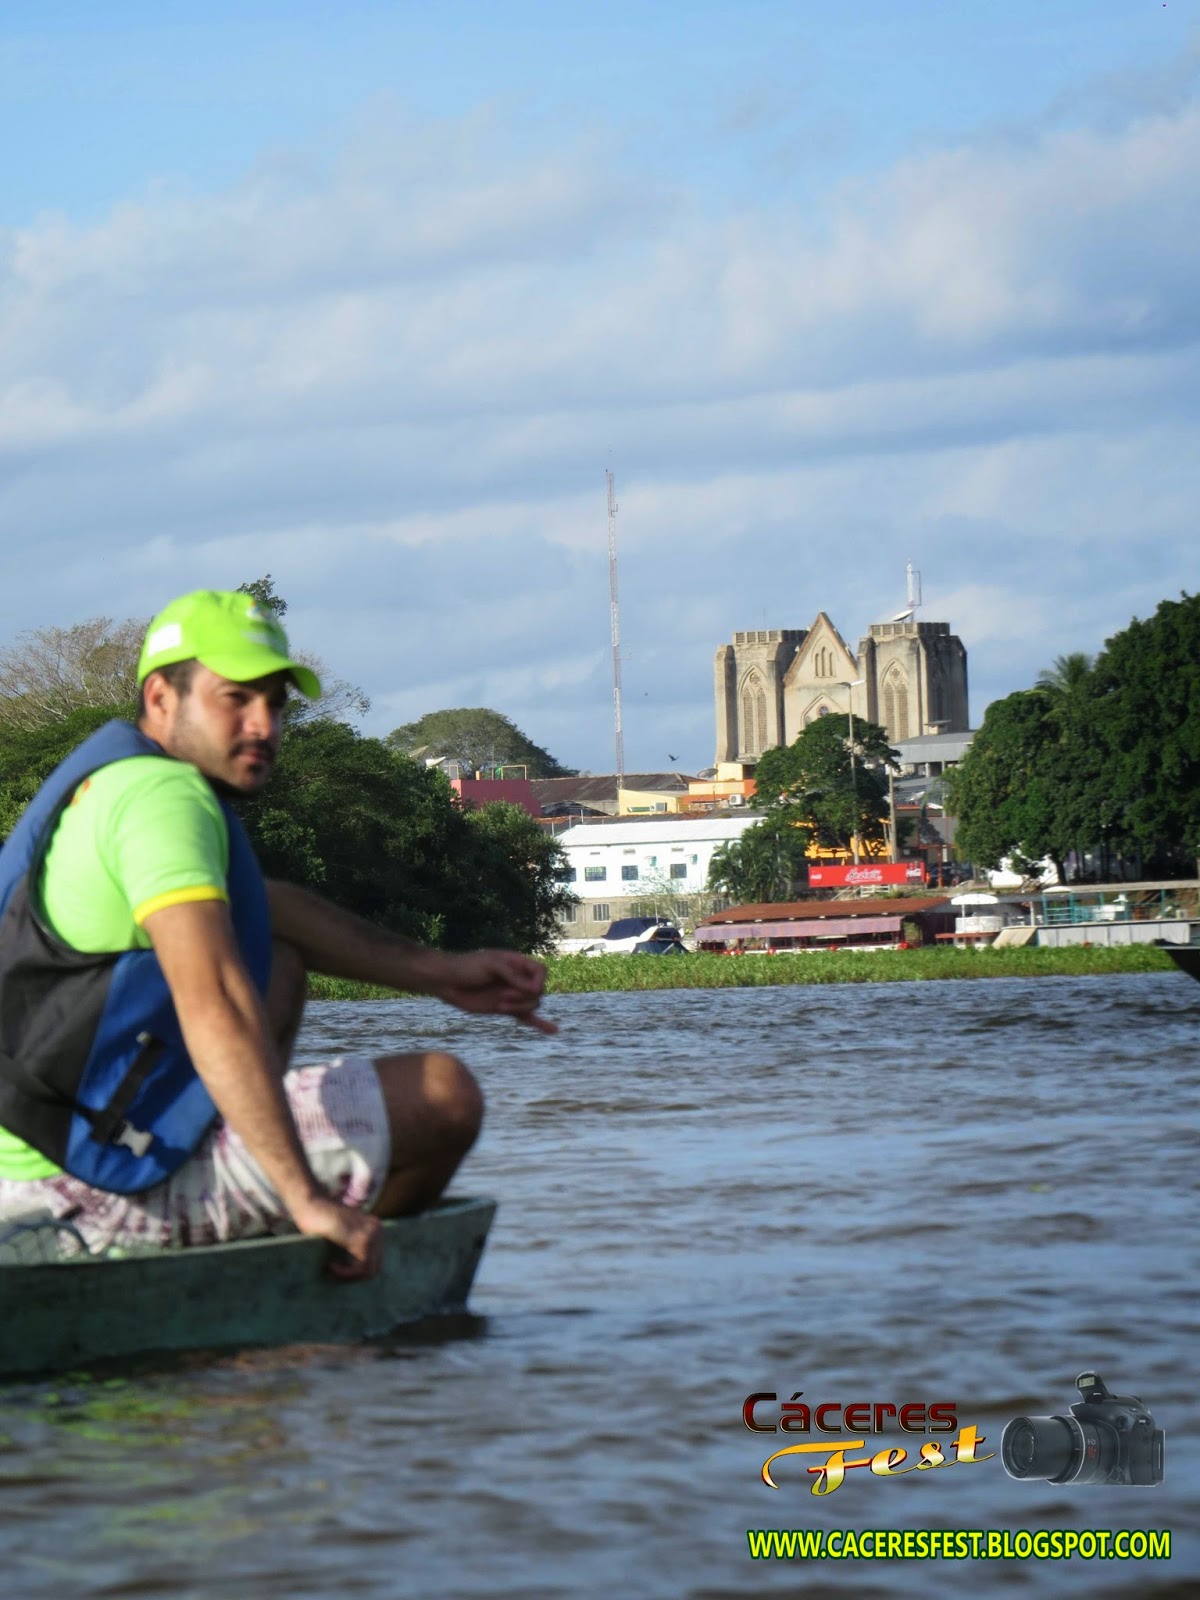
[{"x": 137, "y": 836}]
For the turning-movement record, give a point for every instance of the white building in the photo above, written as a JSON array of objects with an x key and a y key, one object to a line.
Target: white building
[{"x": 613, "y": 863}]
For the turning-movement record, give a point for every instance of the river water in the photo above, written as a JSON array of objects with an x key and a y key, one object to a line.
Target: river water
[{"x": 962, "y": 1192}]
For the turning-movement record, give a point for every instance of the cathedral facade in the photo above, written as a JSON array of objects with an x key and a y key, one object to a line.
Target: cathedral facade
[{"x": 908, "y": 676}]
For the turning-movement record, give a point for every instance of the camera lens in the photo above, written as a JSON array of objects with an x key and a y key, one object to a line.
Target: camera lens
[
  {"x": 1061, "y": 1449},
  {"x": 1040, "y": 1447}
]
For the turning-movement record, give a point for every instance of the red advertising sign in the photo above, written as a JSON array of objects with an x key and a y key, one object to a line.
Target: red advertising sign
[{"x": 866, "y": 875}]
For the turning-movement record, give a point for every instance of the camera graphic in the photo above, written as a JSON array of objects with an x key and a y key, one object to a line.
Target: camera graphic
[{"x": 1108, "y": 1438}]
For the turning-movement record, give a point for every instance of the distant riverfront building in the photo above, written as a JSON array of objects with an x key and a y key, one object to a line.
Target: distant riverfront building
[
  {"x": 657, "y": 864},
  {"x": 772, "y": 682}
]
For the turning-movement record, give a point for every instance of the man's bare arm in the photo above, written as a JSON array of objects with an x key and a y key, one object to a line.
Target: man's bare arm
[
  {"x": 226, "y": 1034},
  {"x": 343, "y": 945},
  {"x": 336, "y": 942}
]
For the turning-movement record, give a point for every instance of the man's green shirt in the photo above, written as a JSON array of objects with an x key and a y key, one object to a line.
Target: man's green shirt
[{"x": 138, "y": 836}]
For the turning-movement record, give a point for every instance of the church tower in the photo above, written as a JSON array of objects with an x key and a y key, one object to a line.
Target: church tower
[
  {"x": 749, "y": 691},
  {"x": 909, "y": 676}
]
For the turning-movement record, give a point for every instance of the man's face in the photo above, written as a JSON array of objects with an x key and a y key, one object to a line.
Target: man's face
[{"x": 229, "y": 730}]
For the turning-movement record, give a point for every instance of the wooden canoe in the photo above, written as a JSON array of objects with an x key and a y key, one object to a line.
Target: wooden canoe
[{"x": 76, "y": 1312}]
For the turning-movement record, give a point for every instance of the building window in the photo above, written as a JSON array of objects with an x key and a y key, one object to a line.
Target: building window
[
  {"x": 653, "y": 861},
  {"x": 754, "y": 716},
  {"x": 629, "y": 874},
  {"x": 595, "y": 874},
  {"x": 679, "y": 869},
  {"x": 564, "y": 875},
  {"x": 600, "y": 914},
  {"x": 895, "y": 705}
]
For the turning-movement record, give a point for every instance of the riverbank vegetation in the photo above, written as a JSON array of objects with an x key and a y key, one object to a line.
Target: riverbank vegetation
[
  {"x": 598, "y": 974},
  {"x": 1099, "y": 760}
]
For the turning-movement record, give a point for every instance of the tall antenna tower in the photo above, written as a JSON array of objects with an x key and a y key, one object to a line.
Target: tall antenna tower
[
  {"x": 914, "y": 587},
  {"x": 614, "y": 611}
]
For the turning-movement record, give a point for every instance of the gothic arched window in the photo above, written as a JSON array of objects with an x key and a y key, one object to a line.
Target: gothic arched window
[
  {"x": 754, "y": 716},
  {"x": 895, "y": 704}
]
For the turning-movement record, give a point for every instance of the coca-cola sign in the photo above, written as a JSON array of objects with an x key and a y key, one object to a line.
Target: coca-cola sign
[{"x": 866, "y": 875}]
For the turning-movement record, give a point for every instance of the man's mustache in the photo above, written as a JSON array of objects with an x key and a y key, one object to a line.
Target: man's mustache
[{"x": 254, "y": 747}]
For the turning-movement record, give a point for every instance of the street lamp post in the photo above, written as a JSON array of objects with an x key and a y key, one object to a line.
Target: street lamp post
[
  {"x": 934, "y": 727},
  {"x": 853, "y": 684}
]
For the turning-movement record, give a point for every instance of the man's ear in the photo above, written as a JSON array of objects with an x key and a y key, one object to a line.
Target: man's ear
[{"x": 157, "y": 693}]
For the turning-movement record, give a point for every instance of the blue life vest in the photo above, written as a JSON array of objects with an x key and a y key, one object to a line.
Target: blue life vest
[{"x": 93, "y": 1069}]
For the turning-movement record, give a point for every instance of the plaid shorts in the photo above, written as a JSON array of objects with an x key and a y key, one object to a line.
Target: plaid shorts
[{"x": 220, "y": 1192}]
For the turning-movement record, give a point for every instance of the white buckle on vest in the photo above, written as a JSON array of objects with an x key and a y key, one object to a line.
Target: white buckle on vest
[{"x": 134, "y": 1139}]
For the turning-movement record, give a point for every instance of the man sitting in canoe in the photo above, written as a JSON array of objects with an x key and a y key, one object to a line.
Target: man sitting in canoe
[{"x": 151, "y": 984}]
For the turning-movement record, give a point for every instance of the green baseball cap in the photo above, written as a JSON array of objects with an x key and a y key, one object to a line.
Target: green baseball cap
[{"x": 230, "y": 633}]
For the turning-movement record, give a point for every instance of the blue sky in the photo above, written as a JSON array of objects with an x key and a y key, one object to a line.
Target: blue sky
[{"x": 369, "y": 296}]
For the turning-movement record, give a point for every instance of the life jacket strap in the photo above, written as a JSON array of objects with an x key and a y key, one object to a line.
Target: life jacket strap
[{"x": 111, "y": 1125}]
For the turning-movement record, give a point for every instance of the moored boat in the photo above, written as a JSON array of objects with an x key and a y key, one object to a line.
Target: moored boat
[
  {"x": 637, "y": 936},
  {"x": 1186, "y": 957},
  {"x": 75, "y": 1311}
]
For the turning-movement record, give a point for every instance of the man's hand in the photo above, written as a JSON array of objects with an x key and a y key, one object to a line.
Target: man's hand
[
  {"x": 357, "y": 1235},
  {"x": 499, "y": 983}
]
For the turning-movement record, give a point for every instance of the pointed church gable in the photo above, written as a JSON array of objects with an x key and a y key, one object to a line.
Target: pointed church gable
[
  {"x": 823, "y": 657},
  {"x": 820, "y": 706},
  {"x": 770, "y": 683}
]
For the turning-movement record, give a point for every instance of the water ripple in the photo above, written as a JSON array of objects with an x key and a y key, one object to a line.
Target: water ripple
[{"x": 894, "y": 1193}]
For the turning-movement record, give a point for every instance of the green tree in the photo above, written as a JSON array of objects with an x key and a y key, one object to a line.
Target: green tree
[
  {"x": 29, "y": 755},
  {"x": 1148, "y": 720},
  {"x": 1068, "y": 676},
  {"x": 263, "y": 590},
  {"x": 1007, "y": 791},
  {"x": 376, "y": 834},
  {"x": 518, "y": 900},
  {"x": 1072, "y": 762},
  {"x": 480, "y": 739},
  {"x": 813, "y": 780},
  {"x": 382, "y": 836},
  {"x": 1101, "y": 757},
  {"x": 767, "y": 863}
]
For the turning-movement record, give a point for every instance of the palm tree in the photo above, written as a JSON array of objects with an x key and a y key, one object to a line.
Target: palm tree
[
  {"x": 1066, "y": 685},
  {"x": 1068, "y": 674}
]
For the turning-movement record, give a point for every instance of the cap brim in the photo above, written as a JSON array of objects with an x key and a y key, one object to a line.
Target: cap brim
[
  {"x": 261, "y": 664},
  {"x": 305, "y": 680}
]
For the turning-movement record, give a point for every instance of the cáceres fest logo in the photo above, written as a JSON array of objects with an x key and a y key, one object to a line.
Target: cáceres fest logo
[{"x": 862, "y": 1418}]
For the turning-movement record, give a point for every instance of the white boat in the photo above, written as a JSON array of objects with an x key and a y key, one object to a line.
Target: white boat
[{"x": 638, "y": 936}]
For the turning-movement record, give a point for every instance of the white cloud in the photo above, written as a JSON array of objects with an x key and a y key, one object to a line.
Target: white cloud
[{"x": 394, "y": 382}]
